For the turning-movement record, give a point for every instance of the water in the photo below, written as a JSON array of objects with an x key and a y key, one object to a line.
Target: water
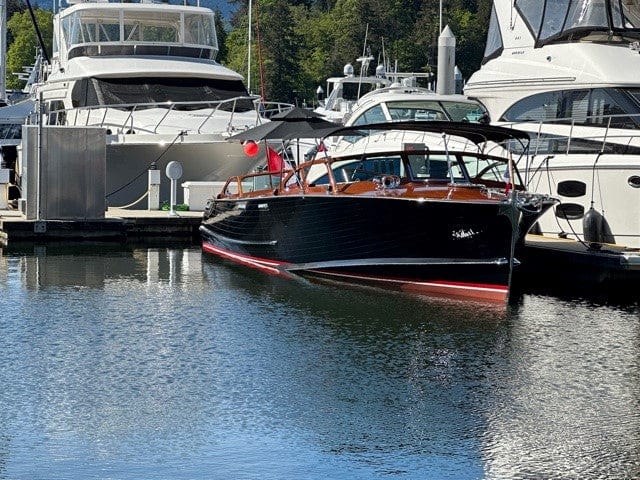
[{"x": 164, "y": 364}]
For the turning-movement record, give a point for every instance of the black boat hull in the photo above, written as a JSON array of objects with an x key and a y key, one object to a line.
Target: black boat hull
[{"x": 461, "y": 249}]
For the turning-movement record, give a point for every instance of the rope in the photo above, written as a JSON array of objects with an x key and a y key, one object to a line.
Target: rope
[
  {"x": 138, "y": 200},
  {"x": 148, "y": 166}
]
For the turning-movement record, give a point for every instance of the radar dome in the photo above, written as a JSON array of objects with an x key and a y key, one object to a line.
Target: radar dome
[{"x": 348, "y": 70}]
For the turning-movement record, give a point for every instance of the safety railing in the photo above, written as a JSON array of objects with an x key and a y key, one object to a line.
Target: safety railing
[
  {"x": 619, "y": 133},
  {"x": 121, "y": 118}
]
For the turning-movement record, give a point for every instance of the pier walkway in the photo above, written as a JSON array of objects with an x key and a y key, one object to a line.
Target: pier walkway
[{"x": 119, "y": 225}]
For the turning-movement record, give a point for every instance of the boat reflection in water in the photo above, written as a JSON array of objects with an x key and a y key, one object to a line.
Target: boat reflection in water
[
  {"x": 417, "y": 206},
  {"x": 163, "y": 363}
]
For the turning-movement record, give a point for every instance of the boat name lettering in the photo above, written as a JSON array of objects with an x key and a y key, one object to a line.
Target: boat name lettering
[{"x": 463, "y": 233}]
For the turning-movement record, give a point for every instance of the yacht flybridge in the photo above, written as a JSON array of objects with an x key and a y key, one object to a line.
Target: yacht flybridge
[
  {"x": 567, "y": 72},
  {"x": 146, "y": 73}
]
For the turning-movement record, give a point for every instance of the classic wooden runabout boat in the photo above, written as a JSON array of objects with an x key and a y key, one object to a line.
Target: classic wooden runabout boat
[{"x": 420, "y": 206}]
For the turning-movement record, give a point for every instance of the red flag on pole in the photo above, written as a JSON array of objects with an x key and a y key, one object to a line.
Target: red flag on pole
[{"x": 275, "y": 163}]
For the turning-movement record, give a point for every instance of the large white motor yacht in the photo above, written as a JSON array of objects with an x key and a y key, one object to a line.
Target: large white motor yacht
[
  {"x": 567, "y": 71},
  {"x": 146, "y": 73}
]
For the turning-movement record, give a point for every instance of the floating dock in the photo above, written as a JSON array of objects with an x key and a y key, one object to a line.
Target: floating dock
[
  {"x": 118, "y": 225},
  {"x": 558, "y": 264}
]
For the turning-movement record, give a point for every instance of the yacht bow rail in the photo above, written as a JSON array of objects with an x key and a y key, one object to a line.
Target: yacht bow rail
[
  {"x": 619, "y": 133},
  {"x": 120, "y": 118}
]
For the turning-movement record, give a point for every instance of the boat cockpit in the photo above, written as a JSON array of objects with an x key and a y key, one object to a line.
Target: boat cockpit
[{"x": 100, "y": 29}]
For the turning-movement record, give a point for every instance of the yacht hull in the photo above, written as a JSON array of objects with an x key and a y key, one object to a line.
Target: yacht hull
[{"x": 207, "y": 160}]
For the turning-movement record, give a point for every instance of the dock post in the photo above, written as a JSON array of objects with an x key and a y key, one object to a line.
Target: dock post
[
  {"x": 154, "y": 190},
  {"x": 4, "y": 188},
  {"x": 174, "y": 172}
]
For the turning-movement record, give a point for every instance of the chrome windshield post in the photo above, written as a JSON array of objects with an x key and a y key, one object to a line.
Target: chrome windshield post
[{"x": 446, "y": 150}]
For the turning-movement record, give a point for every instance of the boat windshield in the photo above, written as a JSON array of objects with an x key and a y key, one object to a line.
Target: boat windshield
[
  {"x": 425, "y": 110},
  {"x": 552, "y": 20},
  {"x": 98, "y": 26},
  {"x": 418, "y": 165},
  {"x": 160, "y": 92}
]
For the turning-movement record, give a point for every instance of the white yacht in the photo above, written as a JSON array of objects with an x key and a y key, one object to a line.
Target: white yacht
[
  {"x": 146, "y": 72},
  {"x": 400, "y": 103},
  {"x": 567, "y": 72},
  {"x": 343, "y": 93}
]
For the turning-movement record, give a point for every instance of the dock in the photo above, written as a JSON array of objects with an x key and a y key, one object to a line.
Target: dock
[
  {"x": 118, "y": 225},
  {"x": 560, "y": 264}
]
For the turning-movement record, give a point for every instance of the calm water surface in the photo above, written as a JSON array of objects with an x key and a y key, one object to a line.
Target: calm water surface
[{"x": 158, "y": 363}]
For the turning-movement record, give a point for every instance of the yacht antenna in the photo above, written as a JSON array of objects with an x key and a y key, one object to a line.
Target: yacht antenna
[
  {"x": 35, "y": 25},
  {"x": 364, "y": 59}
]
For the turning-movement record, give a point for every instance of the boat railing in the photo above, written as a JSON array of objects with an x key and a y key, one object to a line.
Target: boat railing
[
  {"x": 105, "y": 115},
  {"x": 287, "y": 180},
  {"x": 611, "y": 133}
]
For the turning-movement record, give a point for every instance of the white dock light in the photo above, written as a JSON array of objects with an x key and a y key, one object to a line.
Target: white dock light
[{"x": 174, "y": 172}]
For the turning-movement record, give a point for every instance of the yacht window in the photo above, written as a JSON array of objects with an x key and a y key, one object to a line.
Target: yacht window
[
  {"x": 600, "y": 107},
  {"x": 550, "y": 20},
  {"x": 574, "y": 107},
  {"x": 416, "y": 110},
  {"x": 555, "y": 13},
  {"x": 465, "y": 112},
  {"x": 200, "y": 30},
  {"x": 630, "y": 17},
  {"x": 605, "y": 111},
  {"x": 532, "y": 12},
  {"x": 373, "y": 115},
  {"x": 99, "y": 26},
  {"x": 542, "y": 107},
  {"x": 587, "y": 14},
  {"x": 108, "y": 31},
  {"x": 494, "y": 44},
  {"x": 127, "y": 92},
  {"x": 353, "y": 91},
  {"x": 152, "y": 26}
]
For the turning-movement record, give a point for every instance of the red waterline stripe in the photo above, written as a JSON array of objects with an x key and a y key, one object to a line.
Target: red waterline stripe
[
  {"x": 456, "y": 289},
  {"x": 495, "y": 292},
  {"x": 268, "y": 266}
]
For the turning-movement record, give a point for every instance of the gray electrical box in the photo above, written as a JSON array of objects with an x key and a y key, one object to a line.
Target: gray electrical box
[{"x": 71, "y": 184}]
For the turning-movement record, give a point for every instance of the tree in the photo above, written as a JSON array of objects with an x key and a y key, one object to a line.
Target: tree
[
  {"x": 221, "y": 34},
  {"x": 24, "y": 46},
  {"x": 277, "y": 51}
]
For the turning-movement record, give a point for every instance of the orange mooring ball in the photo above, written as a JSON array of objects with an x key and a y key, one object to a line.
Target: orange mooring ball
[{"x": 250, "y": 149}]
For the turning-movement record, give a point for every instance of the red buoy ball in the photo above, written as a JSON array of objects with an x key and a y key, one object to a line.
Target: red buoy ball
[{"x": 250, "y": 149}]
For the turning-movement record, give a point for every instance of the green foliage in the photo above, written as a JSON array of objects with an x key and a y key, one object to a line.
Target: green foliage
[
  {"x": 324, "y": 35},
  {"x": 297, "y": 44},
  {"x": 221, "y": 33},
  {"x": 24, "y": 45}
]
